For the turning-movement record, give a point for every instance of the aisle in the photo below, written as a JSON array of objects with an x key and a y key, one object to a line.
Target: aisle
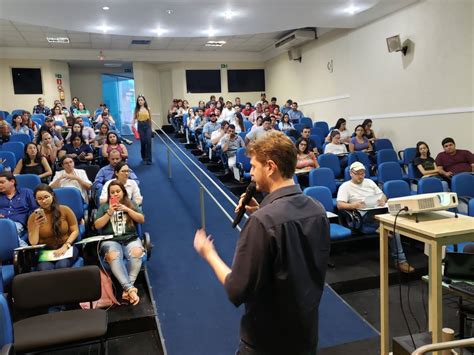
[{"x": 195, "y": 315}]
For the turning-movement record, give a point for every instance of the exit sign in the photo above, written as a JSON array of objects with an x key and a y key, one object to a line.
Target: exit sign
[
  {"x": 59, "y": 76},
  {"x": 223, "y": 66}
]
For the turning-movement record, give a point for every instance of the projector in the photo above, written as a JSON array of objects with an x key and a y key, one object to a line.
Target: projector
[{"x": 423, "y": 203}]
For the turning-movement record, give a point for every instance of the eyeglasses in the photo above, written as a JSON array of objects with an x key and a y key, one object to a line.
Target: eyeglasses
[
  {"x": 360, "y": 172},
  {"x": 43, "y": 198},
  {"x": 125, "y": 171}
]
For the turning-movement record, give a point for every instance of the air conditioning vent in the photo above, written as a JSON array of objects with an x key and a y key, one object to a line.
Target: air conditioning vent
[
  {"x": 143, "y": 42},
  {"x": 295, "y": 38}
]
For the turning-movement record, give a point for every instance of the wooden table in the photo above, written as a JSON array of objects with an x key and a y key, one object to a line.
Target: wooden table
[{"x": 434, "y": 229}]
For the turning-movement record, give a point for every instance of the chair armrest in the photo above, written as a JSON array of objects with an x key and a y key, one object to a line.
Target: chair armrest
[
  {"x": 147, "y": 244},
  {"x": 7, "y": 349}
]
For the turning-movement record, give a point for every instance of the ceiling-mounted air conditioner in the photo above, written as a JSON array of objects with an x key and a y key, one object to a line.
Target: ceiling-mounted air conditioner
[{"x": 295, "y": 38}]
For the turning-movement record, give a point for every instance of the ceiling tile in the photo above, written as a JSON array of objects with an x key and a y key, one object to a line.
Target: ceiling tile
[
  {"x": 33, "y": 36},
  {"x": 81, "y": 45},
  {"x": 101, "y": 45},
  {"x": 116, "y": 45},
  {"x": 83, "y": 37}
]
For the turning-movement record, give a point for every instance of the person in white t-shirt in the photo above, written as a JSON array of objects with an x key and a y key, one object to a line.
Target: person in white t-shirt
[
  {"x": 352, "y": 195},
  {"x": 227, "y": 112},
  {"x": 121, "y": 174},
  {"x": 71, "y": 177},
  {"x": 337, "y": 148}
]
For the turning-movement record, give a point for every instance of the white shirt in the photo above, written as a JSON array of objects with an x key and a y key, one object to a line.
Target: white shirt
[
  {"x": 133, "y": 191},
  {"x": 335, "y": 148},
  {"x": 350, "y": 192},
  {"x": 227, "y": 114},
  {"x": 74, "y": 183}
]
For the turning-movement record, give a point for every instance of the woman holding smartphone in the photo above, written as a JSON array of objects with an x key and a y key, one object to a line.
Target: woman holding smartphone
[
  {"x": 54, "y": 225},
  {"x": 118, "y": 217}
]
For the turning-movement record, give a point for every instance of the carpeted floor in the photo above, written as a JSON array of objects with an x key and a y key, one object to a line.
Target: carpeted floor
[{"x": 194, "y": 313}]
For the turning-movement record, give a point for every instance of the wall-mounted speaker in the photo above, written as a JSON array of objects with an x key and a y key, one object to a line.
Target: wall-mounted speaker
[{"x": 294, "y": 54}]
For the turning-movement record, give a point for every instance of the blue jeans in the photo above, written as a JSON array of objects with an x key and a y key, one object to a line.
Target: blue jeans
[
  {"x": 22, "y": 234},
  {"x": 144, "y": 130},
  {"x": 126, "y": 276},
  {"x": 60, "y": 264}
]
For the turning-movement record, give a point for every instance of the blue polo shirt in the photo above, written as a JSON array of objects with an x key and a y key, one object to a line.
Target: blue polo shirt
[{"x": 19, "y": 208}]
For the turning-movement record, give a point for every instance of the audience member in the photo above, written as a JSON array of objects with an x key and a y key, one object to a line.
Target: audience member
[
  {"x": 238, "y": 102},
  {"x": 4, "y": 132},
  {"x": 77, "y": 150},
  {"x": 118, "y": 217},
  {"x": 18, "y": 127},
  {"x": 113, "y": 143},
  {"x": 54, "y": 225},
  {"x": 352, "y": 196},
  {"x": 295, "y": 114},
  {"x": 16, "y": 203},
  {"x": 59, "y": 117},
  {"x": 341, "y": 127},
  {"x": 210, "y": 109},
  {"x": 276, "y": 112},
  {"x": 368, "y": 131},
  {"x": 207, "y": 130},
  {"x": 305, "y": 159},
  {"x": 312, "y": 146},
  {"x": 258, "y": 123},
  {"x": 227, "y": 112},
  {"x": 424, "y": 162},
  {"x": 453, "y": 161},
  {"x": 263, "y": 97},
  {"x": 47, "y": 148},
  {"x": 286, "y": 107},
  {"x": 197, "y": 122},
  {"x": 285, "y": 123},
  {"x": 28, "y": 122},
  {"x": 360, "y": 143},
  {"x": 238, "y": 123},
  {"x": 229, "y": 145},
  {"x": 101, "y": 136},
  {"x": 87, "y": 133},
  {"x": 337, "y": 148},
  {"x": 217, "y": 135},
  {"x": 33, "y": 163},
  {"x": 257, "y": 112},
  {"x": 49, "y": 127},
  {"x": 142, "y": 118},
  {"x": 260, "y": 131},
  {"x": 41, "y": 108},
  {"x": 74, "y": 105},
  {"x": 121, "y": 174},
  {"x": 81, "y": 111},
  {"x": 71, "y": 177},
  {"x": 273, "y": 105},
  {"x": 107, "y": 172},
  {"x": 248, "y": 109}
]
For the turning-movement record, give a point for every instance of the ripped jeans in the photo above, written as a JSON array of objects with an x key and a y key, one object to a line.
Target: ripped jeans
[{"x": 126, "y": 275}]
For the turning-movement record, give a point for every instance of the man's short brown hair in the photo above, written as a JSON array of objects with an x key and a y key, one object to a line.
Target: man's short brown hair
[{"x": 278, "y": 147}]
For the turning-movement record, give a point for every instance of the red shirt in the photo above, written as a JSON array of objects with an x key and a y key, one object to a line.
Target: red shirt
[
  {"x": 208, "y": 112},
  {"x": 458, "y": 163},
  {"x": 247, "y": 112}
]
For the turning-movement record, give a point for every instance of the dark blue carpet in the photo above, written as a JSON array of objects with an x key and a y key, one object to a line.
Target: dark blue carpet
[{"x": 193, "y": 310}]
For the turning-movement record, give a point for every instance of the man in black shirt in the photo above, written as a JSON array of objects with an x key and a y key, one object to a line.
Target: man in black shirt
[{"x": 281, "y": 257}]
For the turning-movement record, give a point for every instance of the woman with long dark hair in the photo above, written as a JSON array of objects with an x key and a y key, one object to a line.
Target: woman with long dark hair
[
  {"x": 239, "y": 123},
  {"x": 368, "y": 131},
  {"x": 18, "y": 127},
  {"x": 33, "y": 163},
  {"x": 117, "y": 216},
  {"x": 142, "y": 115},
  {"x": 341, "y": 127},
  {"x": 54, "y": 225},
  {"x": 112, "y": 142}
]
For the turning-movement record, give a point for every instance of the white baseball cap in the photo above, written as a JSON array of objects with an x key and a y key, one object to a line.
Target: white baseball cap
[{"x": 357, "y": 166}]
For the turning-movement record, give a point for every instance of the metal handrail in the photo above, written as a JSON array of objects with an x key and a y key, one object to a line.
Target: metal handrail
[
  {"x": 447, "y": 345},
  {"x": 203, "y": 188}
]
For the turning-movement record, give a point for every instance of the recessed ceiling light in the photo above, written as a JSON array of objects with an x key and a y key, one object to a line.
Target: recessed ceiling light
[
  {"x": 229, "y": 14},
  {"x": 351, "y": 10},
  {"x": 160, "y": 31},
  {"x": 169, "y": 12},
  {"x": 57, "y": 39},
  {"x": 104, "y": 28},
  {"x": 211, "y": 32},
  {"x": 215, "y": 43},
  {"x": 105, "y": 8}
]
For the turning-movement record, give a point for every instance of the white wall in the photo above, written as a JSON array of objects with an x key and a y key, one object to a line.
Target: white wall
[
  {"x": 86, "y": 83},
  {"x": 147, "y": 83},
  {"x": 9, "y": 101},
  {"x": 368, "y": 82}
]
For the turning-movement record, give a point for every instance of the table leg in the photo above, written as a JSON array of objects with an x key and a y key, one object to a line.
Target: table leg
[
  {"x": 384, "y": 324},
  {"x": 435, "y": 292}
]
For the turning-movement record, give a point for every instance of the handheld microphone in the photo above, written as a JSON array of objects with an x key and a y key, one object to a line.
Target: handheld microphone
[{"x": 249, "y": 193}]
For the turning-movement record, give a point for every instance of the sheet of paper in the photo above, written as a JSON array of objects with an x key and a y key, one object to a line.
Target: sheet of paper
[
  {"x": 48, "y": 255},
  {"x": 372, "y": 201}
]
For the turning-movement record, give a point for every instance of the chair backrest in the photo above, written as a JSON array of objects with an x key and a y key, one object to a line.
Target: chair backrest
[
  {"x": 299, "y": 127},
  {"x": 9, "y": 159},
  {"x": 470, "y": 208},
  {"x": 322, "y": 177},
  {"x": 91, "y": 171},
  {"x": 59, "y": 123},
  {"x": 389, "y": 171},
  {"x": 4, "y": 114},
  {"x": 318, "y": 130},
  {"x": 385, "y": 155},
  {"x": 248, "y": 125},
  {"x": 18, "y": 111},
  {"x": 383, "y": 143},
  {"x": 330, "y": 161},
  {"x": 463, "y": 184},
  {"x": 429, "y": 184},
  {"x": 323, "y": 125},
  {"x": 23, "y": 138},
  {"x": 16, "y": 148},
  {"x": 243, "y": 159},
  {"x": 413, "y": 172},
  {"x": 360, "y": 157},
  {"x": 308, "y": 122},
  {"x": 8, "y": 239},
  {"x": 396, "y": 188},
  {"x": 29, "y": 181},
  {"x": 6, "y": 329},
  {"x": 38, "y": 121},
  {"x": 408, "y": 155},
  {"x": 9, "y": 118},
  {"x": 40, "y": 289},
  {"x": 317, "y": 139},
  {"x": 40, "y": 117},
  {"x": 321, "y": 194},
  {"x": 71, "y": 197},
  {"x": 243, "y": 135}
]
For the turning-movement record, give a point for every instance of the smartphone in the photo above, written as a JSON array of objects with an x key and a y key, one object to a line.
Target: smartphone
[
  {"x": 40, "y": 212},
  {"x": 114, "y": 200}
]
